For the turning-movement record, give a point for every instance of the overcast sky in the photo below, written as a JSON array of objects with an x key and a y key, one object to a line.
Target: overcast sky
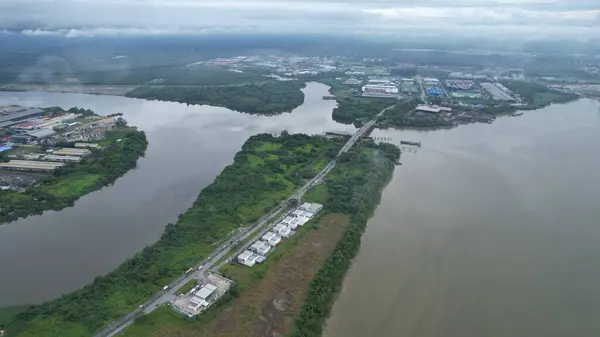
[{"x": 529, "y": 18}]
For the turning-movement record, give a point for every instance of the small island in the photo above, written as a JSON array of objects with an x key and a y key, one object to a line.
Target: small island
[{"x": 51, "y": 157}]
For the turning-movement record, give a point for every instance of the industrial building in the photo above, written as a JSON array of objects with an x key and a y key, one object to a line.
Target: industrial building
[
  {"x": 272, "y": 238},
  {"x": 435, "y": 91},
  {"x": 15, "y": 118},
  {"x": 72, "y": 152},
  {"x": 200, "y": 298},
  {"x": 247, "y": 258},
  {"x": 459, "y": 85},
  {"x": 260, "y": 247},
  {"x": 282, "y": 230},
  {"x": 42, "y": 133},
  {"x": 497, "y": 91},
  {"x": 64, "y": 159},
  {"x": 86, "y": 146},
  {"x": 311, "y": 208},
  {"x": 432, "y": 108},
  {"x": 290, "y": 222},
  {"x": 32, "y": 166}
]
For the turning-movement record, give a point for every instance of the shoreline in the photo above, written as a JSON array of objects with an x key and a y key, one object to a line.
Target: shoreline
[{"x": 121, "y": 149}]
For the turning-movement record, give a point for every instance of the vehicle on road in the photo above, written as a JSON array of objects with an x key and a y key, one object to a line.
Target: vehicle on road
[{"x": 165, "y": 287}]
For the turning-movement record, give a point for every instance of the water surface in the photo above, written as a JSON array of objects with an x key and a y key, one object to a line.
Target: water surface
[{"x": 489, "y": 230}]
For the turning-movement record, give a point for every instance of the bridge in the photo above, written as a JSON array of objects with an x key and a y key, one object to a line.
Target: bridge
[{"x": 168, "y": 293}]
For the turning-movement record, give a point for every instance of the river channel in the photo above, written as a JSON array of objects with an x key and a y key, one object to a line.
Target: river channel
[
  {"x": 42, "y": 257},
  {"x": 487, "y": 231}
]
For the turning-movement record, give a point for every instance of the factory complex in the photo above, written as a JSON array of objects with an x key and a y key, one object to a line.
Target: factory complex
[{"x": 258, "y": 250}]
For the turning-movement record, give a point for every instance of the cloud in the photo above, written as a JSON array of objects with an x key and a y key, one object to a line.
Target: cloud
[{"x": 75, "y": 18}]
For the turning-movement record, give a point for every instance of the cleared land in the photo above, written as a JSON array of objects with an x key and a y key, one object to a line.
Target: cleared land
[{"x": 272, "y": 297}]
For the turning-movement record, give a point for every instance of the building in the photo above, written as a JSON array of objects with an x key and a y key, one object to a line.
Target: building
[
  {"x": 282, "y": 230},
  {"x": 260, "y": 247},
  {"x": 72, "y": 152},
  {"x": 431, "y": 81},
  {"x": 29, "y": 165},
  {"x": 290, "y": 222},
  {"x": 64, "y": 159},
  {"x": 247, "y": 258},
  {"x": 206, "y": 291},
  {"x": 497, "y": 91},
  {"x": 380, "y": 89},
  {"x": 18, "y": 116},
  {"x": 86, "y": 146},
  {"x": 272, "y": 238},
  {"x": 311, "y": 208},
  {"x": 432, "y": 108}
]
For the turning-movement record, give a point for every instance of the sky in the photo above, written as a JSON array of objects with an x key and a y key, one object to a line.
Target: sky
[{"x": 504, "y": 18}]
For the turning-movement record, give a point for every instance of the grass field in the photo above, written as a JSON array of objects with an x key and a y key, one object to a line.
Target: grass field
[{"x": 73, "y": 186}]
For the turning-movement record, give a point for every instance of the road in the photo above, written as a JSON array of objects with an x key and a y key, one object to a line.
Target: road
[{"x": 210, "y": 263}]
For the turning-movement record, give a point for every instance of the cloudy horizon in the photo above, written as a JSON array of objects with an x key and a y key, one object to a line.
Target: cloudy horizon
[{"x": 524, "y": 18}]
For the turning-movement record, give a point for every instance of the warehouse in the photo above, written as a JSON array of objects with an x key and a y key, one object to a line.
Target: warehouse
[
  {"x": 64, "y": 159},
  {"x": 311, "y": 208},
  {"x": 260, "y": 247},
  {"x": 282, "y": 230},
  {"x": 32, "y": 166},
  {"x": 247, "y": 258},
  {"x": 86, "y": 145},
  {"x": 272, "y": 238},
  {"x": 72, "y": 152},
  {"x": 42, "y": 133},
  {"x": 290, "y": 222}
]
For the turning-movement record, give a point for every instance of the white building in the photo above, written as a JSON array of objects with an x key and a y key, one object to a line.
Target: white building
[
  {"x": 311, "y": 208},
  {"x": 247, "y": 258},
  {"x": 272, "y": 238},
  {"x": 282, "y": 230},
  {"x": 290, "y": 222},
  {"x": 260, "y": 247},
  {"x": 380, "y": 88},
  {"x": 200, "y": 298}
]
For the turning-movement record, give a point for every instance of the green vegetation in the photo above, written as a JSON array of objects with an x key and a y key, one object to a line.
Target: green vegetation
[
  {"x": 66, "y": 185},
  {"x": 354, "y": 188},
  {"x": 402, "y": 115},
  {"x": 241, "y": 194},
  {"x": 537, "y": 95},
  {"x": 187, "y": 287},
  {"x": 265, "y": 99},
  {"x": 358, "y": 111}
]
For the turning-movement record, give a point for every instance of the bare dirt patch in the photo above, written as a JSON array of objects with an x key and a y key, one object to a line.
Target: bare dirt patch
[{"x": 268, "y": 307}]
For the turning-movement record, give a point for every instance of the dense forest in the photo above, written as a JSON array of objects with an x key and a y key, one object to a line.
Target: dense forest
[
  {"x": 69, "y": 183},
  {"x": 263, "y": 173},
  {"x": 269, "y": 98},
  {"x": 358, "y": 111},
  {"x": 357, "y": 195},
  {"x": 538, "y": 95}
]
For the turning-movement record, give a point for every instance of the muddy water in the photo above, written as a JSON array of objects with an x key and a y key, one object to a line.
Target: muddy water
[
  {"x": 488, "y": 230},
  {"x": 44, "y": 256}
]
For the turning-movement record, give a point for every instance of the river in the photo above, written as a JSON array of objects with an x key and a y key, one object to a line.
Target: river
[
  {"x": 488, "y": 230},
  {"x": 45, "y": 256}
]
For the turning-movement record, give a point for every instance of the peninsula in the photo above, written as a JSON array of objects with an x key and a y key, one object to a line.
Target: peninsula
[
  {"x": 266, "y": 171},
  {"x": 51, "y": 157}
]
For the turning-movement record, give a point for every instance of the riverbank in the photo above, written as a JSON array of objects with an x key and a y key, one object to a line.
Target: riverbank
[
  {"x": 115, "y": 153},
  {"x": 265, "y": 172},
  {"x": 268, "y": 297}
]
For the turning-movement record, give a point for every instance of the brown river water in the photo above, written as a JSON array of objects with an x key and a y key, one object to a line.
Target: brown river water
[{"x": 486, "y": 231}]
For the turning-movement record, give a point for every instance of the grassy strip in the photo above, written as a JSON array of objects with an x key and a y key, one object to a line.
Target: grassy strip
[
  {"x": 68, "y": 184},
  {"x": 240, "y": 194}
]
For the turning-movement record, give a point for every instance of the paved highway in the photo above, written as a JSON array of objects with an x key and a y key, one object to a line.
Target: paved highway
[{"x": 169, "y": 292}]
